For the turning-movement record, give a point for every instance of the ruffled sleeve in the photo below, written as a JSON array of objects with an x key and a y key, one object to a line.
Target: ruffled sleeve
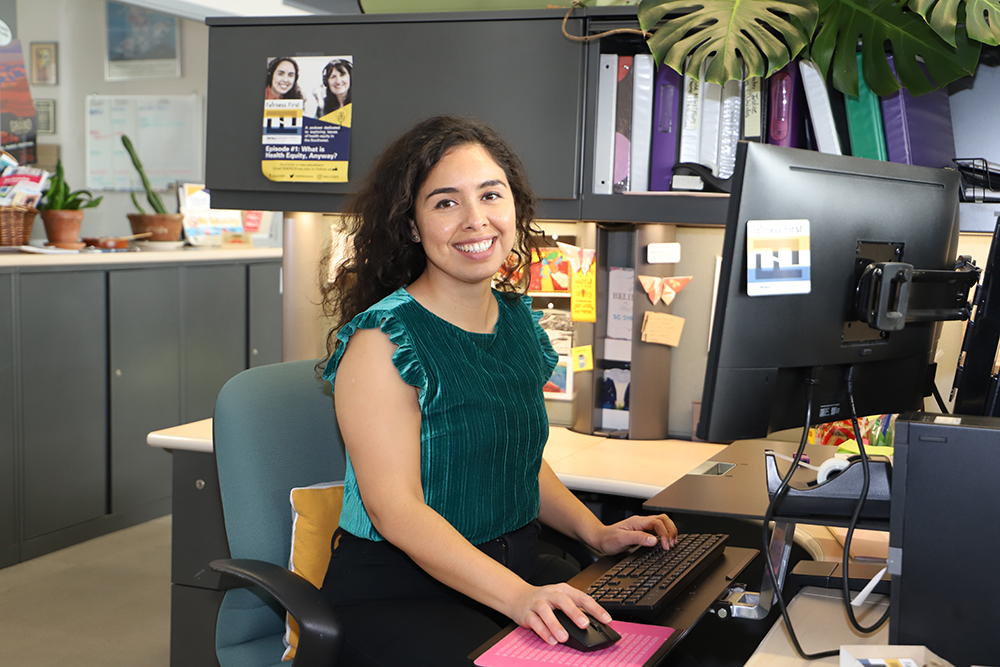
[
  {"x": 549, "y": 356},
  {"x": 405, "y": 358}
]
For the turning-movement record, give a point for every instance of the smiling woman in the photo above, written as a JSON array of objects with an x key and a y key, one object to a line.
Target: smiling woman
[
  {"x": 282, "y": 80},
  {"x": 438, "y": 381}
]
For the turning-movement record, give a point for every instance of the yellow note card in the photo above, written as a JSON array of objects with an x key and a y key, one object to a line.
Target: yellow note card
[
  {"x": 583, "y": 358},
  {"x": 662, "y": 328}
]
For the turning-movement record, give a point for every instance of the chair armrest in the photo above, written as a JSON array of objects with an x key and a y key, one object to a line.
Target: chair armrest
[{"x": 320, "y": 631}]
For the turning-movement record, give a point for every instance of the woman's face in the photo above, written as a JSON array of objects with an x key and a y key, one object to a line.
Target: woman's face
[
  {"x": 283, "y": 78},
  {"x": 465, "y": 216},
  {"x": 339, "y": 82}
]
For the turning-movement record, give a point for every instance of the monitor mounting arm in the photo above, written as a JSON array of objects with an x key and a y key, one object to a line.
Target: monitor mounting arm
[{"x": 886, "y": 290}]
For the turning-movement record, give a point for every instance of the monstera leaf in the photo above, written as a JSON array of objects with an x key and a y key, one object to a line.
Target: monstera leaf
[
  {"x": 885, "y": 26},
  {"x": 746, "y": 37},
  {"x": 982, "y": 18}
]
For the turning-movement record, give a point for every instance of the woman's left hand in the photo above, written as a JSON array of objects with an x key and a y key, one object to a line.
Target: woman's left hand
[{"x": 641, "y": 530}]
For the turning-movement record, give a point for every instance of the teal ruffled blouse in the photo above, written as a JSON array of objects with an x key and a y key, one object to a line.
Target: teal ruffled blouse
[{"x": 483, "y": 423}]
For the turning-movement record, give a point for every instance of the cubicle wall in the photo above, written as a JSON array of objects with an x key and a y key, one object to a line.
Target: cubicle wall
[{"x": 514, "y": 71}]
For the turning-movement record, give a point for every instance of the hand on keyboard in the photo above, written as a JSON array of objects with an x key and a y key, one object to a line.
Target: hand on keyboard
[
  {"x": 642, "y": 583},
  {"x": 637, "y": 530}
]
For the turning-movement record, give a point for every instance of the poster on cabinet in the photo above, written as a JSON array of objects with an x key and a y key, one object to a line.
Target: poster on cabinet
[
  {"x": 18, "y": 129},
  {"x": 307, "y": 118}
]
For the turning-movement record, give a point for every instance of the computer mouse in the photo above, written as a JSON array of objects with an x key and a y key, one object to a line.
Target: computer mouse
[{"x": 594, "y": 637}]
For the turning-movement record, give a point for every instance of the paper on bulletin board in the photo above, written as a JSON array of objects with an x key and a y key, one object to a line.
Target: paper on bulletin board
[
  {"x": 582, "y": 358},
  {"x": 583, "y": 295},
  {"x": 662, "y": 328},
  {"x": 307, "y": 119},
  {"x": 165, "y": 129}
]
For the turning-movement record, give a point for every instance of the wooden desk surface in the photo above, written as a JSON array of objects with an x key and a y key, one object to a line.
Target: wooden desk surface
[{"x": 629, "y": 468}]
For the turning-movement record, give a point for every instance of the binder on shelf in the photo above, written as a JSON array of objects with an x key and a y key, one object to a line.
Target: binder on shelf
[
  {"x": 690, "y": 134},
  {"x": 820, "y": 110},
  {"x": 623, "y": 125},
  {"x": 864, "y": 121},
  {"x": 918, "y": 130},
  {"x": 786, "y": 116},
  {"x": 666, "y": 128},
  {"x": 730, "y": 119},
  {"x": 604, "y": 132},
  {"x": 711, "y": 117},
  {"x": 642, "y": 121},
  {"x": 754, "y": 109}
]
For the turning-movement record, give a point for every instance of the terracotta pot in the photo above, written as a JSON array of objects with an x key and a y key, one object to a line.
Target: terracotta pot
[
  {"x": 62, "y": 226},
  {"x": 164, "y": 226}
]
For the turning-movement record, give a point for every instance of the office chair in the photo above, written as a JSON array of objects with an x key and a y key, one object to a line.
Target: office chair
[{"x": 274, "y": 429}]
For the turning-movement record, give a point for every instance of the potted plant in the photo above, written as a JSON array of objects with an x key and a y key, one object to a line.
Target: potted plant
[
  {"x": 933, "y": 42},
  {"x": 62, "y": 209},
  {"x": 162, "y": 225}
]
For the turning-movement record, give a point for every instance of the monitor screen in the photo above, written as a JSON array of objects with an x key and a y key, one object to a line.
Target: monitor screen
[{"x": 802, "y": 227}]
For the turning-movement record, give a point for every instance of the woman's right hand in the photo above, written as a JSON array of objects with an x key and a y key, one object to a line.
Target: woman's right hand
[{"x": 533, "y": 608}]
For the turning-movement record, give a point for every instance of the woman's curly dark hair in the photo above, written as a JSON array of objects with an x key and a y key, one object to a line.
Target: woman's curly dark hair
[{"x": 377, "y": 218}]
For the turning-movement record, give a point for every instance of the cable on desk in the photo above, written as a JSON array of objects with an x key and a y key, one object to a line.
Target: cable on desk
[{"x": 778, "y": 496}]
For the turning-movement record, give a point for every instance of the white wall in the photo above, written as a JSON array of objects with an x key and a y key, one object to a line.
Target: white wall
[{"x": 79, "y": 28}]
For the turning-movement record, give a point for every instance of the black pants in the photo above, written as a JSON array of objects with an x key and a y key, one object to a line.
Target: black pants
[{"x": 394, "y": 613}]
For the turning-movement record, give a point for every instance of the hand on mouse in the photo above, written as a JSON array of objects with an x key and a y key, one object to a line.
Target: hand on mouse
[
  {"x": 533, "y": 609},
  {"x": 641, "y": 530}
]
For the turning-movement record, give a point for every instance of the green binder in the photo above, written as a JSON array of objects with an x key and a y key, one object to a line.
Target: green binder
[{"x": 864, "y": 121}]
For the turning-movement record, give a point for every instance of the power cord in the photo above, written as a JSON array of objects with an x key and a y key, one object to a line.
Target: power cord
[
  {"x": 866, "y": 473},
  {"x": 775, "y": 501}
]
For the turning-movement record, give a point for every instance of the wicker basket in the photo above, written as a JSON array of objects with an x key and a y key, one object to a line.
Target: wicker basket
[{"x": 15, "y": 224}]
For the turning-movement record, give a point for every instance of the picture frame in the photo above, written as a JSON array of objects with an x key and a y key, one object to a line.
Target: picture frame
[
  {"x": 141, "y": 43},
  {"x": 45, "y": 116},
  {"x": 560, "y": 385},
  {"x": 44, "y": 64}
]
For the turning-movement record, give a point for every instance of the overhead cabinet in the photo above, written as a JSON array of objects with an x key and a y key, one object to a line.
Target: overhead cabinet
[{"x": 514, "y": 70}]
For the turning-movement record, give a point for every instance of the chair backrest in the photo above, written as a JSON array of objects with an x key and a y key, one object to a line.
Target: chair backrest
[{"x": 274, "y": 429}]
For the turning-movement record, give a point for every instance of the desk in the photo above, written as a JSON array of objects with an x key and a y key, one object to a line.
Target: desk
[
  {"x": 628, "y": 468},
  {"x": 636, "y": 469},
  {"x": 820, "y": 624}
]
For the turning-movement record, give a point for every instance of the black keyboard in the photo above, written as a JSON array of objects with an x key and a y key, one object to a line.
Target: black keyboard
[{"x": 649, "y": 578}]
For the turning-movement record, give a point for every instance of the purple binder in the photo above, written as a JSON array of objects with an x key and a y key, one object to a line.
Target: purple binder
[
  {"x": 918, "y": 130},
  {"x": 666, "y": 127},
  {"x": 786, "y": 123}
]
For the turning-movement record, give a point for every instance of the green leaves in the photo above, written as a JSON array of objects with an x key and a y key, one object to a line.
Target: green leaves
[
  {"x": 885, "y": 27},
  {"x": 982, "y": 18},
  {"x": 58, "y": 196},
  {"x": 746, "y": 37},
  {"x": 930, "y": 46}
]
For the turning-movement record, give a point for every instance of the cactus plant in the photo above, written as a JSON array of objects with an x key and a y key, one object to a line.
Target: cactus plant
[{"x": 151, "y": 195}]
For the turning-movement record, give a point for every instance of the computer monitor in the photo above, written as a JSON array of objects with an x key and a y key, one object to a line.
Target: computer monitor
[{"x": 803, "y": 228}]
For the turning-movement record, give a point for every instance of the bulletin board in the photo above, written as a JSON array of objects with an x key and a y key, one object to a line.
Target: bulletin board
[{"x": 165, "y": 129}]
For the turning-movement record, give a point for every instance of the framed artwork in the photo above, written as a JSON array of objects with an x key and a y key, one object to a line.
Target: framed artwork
[
  {"x": 44, "y": 64},
  {"x": 142, "y": 44},
  {"x": 560, "y": 385},
  {"x": 45, "y": 116}
]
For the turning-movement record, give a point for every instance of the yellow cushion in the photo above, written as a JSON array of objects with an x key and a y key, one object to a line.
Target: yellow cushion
[{"x": 315, "y": 514}]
